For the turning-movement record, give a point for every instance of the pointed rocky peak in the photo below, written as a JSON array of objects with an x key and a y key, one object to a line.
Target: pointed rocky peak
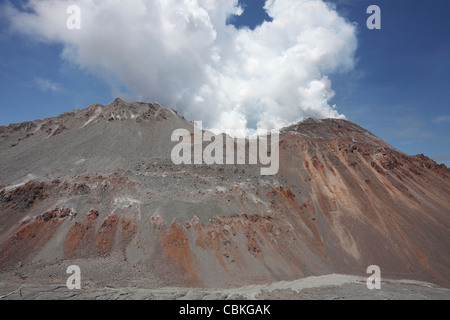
[
  {"x": 118, "y": 103},
  {"x": 120, "y": 110}
]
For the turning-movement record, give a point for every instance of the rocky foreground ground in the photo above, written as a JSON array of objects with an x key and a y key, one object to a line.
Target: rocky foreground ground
[{"x": 329, "y": 287}]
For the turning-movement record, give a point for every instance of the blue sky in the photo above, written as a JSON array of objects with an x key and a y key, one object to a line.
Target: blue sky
[{"x": 399, "y": 88}]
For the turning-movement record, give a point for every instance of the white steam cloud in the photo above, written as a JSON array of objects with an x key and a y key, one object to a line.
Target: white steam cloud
[{"x": 182, "y": 54}]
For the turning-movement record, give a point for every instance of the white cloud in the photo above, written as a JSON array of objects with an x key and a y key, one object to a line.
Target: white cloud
[
  {"x": 183, "y": 55},
  {"x": 442, "y": 119},
  {"x": 46, "y": 85}
]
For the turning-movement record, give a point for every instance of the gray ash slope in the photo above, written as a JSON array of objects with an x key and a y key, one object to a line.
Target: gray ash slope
[
  {"x": 97, "y": 188},
  {"x": 95, "y": 139}
]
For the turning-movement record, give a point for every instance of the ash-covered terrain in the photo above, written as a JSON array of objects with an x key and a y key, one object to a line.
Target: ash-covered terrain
[{"x": 97, "y": 188}]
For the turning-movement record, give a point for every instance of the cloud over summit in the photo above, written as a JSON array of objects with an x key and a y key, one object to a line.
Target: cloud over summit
[{"x": 183, "y": 55}]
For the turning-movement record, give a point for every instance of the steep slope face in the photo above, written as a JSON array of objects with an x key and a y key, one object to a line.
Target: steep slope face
[
  {"x": 97, "y": 188},
  {"x": 374, "y": 205}
]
